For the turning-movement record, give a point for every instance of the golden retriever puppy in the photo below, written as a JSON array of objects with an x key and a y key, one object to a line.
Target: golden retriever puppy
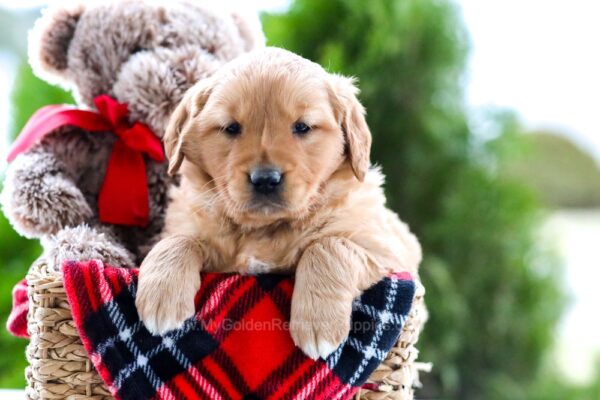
[{"x": 275, "y": 177}]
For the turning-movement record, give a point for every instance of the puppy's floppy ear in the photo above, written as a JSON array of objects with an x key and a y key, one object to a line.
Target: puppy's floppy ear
[
  {"x": 50, "y": 38},
  {"x": 351, "y": 115},
  {"x": 181, "y": 121}
]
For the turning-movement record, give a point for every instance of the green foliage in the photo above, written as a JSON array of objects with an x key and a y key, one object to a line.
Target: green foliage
[
  {"x": 17, "y": 253},
  {"x": 550, "y": 387},
  {"x": 29, "y": 94},
  {"x": 492, "y": 289},
  {"x": 562, "y": 173}
]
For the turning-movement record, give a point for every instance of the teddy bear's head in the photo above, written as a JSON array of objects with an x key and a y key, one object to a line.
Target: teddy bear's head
[{"x": 143, "y": 54}]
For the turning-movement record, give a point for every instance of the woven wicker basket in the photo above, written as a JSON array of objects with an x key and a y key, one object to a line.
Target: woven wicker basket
[{"x": 60, "y": 368}]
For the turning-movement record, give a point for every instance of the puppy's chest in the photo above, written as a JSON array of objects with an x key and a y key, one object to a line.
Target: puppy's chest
[{"x": 260, "y": 252}]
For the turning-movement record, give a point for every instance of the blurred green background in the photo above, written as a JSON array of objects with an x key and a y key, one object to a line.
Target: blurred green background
[{"x": 494, "y": 287}]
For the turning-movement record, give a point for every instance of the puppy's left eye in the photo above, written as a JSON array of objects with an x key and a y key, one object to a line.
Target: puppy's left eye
[
  {"x": 233, "y": 129},
  {"x": 300, "y": 128}
]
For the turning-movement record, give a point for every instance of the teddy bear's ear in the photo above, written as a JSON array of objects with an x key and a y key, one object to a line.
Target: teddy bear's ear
[
  {"x": 50, "y": 38},
  {"x": 250, "y": 30}
]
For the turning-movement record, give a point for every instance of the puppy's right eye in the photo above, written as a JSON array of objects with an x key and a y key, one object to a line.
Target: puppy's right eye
[
  {"x": 300, "y": 128},
  {"x": 233, "y": 129}
]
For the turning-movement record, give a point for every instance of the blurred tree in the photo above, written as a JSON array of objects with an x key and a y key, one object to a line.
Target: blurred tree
[
  {"x": 492, "y": 289},
  {"x": 17, "y": 253},
  {"x": 30, "y": 94},
  {"x": 563, "y": 174},
  {"x": 551, "y": 387}
]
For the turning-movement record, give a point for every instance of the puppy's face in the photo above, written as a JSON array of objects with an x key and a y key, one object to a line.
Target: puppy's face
[{"x": 266, "y": 134}]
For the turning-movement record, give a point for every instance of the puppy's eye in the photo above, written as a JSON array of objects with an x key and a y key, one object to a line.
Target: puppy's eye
[
  {"x": 300, "y": 128},
  {"x": 233, "y": 129}
]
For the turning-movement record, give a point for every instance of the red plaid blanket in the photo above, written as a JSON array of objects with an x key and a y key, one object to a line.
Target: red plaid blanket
[
  {"x": 17, "y": 320},
  {"x": 237, "y": 346}
]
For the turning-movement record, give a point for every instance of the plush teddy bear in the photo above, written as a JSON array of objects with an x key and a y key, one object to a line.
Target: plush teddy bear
[{"x": 129, "y": 63}]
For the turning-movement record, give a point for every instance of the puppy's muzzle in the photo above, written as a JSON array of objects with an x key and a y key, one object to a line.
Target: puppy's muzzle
[{"x": 265, "y": 180}]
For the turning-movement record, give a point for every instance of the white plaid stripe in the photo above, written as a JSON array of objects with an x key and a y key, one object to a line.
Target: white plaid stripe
[
  {"x": 368, "y": 351},
  {"x": 207, "y": 386},
  {"x": 371, "y": 350},
  {"x": 333, "y": 359},
  {"x": 184, "y": 361},
  {"x": 378, "y": 315},
  {"x": 342, "y": 393},
  {"x": 112, "y": 341},
  {"x": 381, "y": 317},
  {"x": 142, "y": 359},
  {"x": 139, "y": 363},
  {"x": 217, "y": 296},
  {"x": 309, "y": 387},
  {"x": 119, "y": 320}
]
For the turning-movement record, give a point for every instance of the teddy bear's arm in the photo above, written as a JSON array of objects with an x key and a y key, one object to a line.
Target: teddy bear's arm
[{"x": 39, "y": 195}]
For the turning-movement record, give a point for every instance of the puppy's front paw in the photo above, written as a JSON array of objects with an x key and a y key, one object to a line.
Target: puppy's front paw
[
  {"x": 164, "y": 305},
  {"x": 319, "y": 326},
  {"x": 168, "y": 282}
]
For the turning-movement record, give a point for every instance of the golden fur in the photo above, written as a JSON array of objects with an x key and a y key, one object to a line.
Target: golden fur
[{"x": 331, "y": 228}]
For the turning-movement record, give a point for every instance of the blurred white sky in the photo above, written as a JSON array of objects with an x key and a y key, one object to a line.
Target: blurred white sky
[
  {"x": 541, "y": 58},
  {"x": 576, "y": 234}
]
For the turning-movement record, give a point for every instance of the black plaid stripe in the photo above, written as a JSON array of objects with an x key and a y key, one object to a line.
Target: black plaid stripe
[
  {"x": 210, "y": 289},
  {"x": 226, "y": 364},
  {"x": 293, "y": 389},
  {"x": 140, "y": 362},
  {"x": 271, "y": 382},
  {"x": 264, "y": 285},
  {"x": 245, "y": 303},
  {"x": 209, "y": 377},
  {"x": 322, "y": 389},
  {"x": 268, "y": 282},
  {"x": 282, "y": 301},
  {"x": 377, "y": 320}
]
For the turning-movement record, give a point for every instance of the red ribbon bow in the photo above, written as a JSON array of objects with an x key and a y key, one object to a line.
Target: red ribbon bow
[{"x": 123, "y": 198}]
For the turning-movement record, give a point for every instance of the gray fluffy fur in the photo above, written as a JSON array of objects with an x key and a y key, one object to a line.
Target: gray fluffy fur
[{"x": 146, "y": 55}]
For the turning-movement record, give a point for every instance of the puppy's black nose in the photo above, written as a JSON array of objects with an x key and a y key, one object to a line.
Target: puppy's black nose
[{"x": 265, "y": 180}]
